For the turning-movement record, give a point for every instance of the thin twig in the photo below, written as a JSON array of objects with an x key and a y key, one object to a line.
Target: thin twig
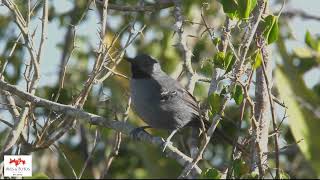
[
  {"x": 66, "y": 159},
  {"x": 90, "y": 155}
]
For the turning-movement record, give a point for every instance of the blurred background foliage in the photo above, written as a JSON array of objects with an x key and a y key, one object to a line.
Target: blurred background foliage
[{"x": 109, "y": 99}]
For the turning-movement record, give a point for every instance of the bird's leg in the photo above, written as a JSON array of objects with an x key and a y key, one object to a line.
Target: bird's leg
[
  {"x": 134, "y": 133},
  {"x": 167, "y": 142}
]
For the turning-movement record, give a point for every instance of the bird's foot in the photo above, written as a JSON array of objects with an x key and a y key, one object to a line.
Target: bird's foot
[
  {"x": 165, "y": 144},
  {"x": 168, "y": 140},
  {"x": 135, "y": 132}
]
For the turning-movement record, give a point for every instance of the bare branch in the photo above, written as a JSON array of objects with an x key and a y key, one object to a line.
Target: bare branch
[{"x": 123, "y": 127}]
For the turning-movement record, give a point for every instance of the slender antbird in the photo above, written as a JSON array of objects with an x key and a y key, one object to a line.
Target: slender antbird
[{"x": 159, "y": 99}]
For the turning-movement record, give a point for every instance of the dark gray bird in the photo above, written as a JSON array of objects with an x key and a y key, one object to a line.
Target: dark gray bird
[
  {"x": 162, "y": 102},
  {"x": 159, "y": 99}
]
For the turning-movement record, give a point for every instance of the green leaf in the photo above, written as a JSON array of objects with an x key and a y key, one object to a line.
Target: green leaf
[
  {"x": 245, "y": 7},
  {"x": 274, "y": 33},
  {"x": 237, "y": 94},
  {"x": 311, "y": 42},
  {"x": 215, "y": 102},
  {"x": 257, "y": 60},
  {"x": 228, "y": 62},
  {"x": 271, "y": 28},
  {"x": 218, "y": 60},
  {"x": 224, "y": 61},
  {"x": 216, "y": 41},
  {"x": 211, "y": 173},
  {"x": 230, "y": 8},
  {"x": 253, "y": 4}
]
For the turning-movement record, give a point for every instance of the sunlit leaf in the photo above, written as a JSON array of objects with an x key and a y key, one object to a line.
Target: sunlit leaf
[
  {"x": 230, "y": 8},
  {"x": 274, "y": 32},
  {"x": 245, "y": 7},
  {"x": 310, "y": 41},
  {"x": 216, "y": 41},
  {"x": 270, "y": 28},
  {"x": 257, "y": 60}
]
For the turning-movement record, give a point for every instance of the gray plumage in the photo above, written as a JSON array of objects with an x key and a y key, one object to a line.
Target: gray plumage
[
  {"x": 162, "y": 102},
  {"x": 159, "y": 99}
]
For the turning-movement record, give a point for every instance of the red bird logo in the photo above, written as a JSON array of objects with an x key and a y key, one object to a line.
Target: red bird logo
[{"x": 17, "y": 161}]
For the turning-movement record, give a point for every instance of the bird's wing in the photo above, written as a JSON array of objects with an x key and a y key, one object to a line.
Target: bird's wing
[
  {"x": 190, "y": 99},
  {"x": 172, "y": 89}
]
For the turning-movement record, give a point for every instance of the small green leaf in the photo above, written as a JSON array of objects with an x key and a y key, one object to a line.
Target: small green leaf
[
  {"x": 211, "y": 173},
  {"x": 310, "y": 41},
  {"x": 274, "y": 33},
  {"x": 253, "y": 5},
  {"x": 218, "y": 60},
  {"x": 230, "y": 8},
  {"x": 215, "y": 102},
  {"x": 237, "y": 94},
  {"x": 271, "y": 28},
  {"x": 224, "y": 61},
  {"x": 216, "y": 41},
  {"x": 228, "y": 62},
  {"x": 257, "y": 60},
  {"x": 245, "y": 8}
]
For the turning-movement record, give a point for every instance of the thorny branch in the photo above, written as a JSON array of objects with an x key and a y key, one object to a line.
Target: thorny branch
[
  {"x": 35, "y": 59},
  {"x": 182, "y": 45}
]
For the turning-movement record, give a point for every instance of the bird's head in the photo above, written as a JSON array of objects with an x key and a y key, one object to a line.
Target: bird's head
[{"x": 143, "y": 66}]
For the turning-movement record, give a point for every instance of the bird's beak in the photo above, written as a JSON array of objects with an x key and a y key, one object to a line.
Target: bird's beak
[{"x": 130, "y": 60}]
